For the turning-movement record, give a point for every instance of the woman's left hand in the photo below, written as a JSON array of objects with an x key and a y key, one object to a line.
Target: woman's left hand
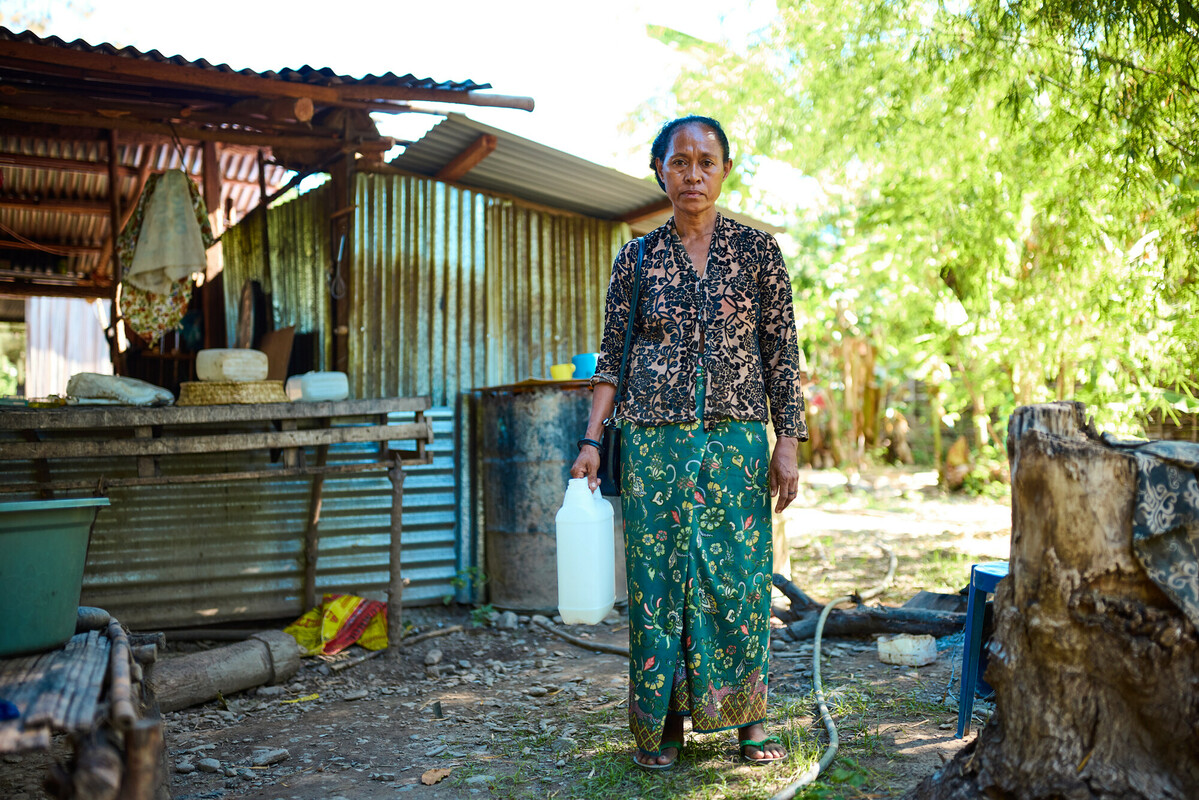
[{"x": 784, "y": 472}]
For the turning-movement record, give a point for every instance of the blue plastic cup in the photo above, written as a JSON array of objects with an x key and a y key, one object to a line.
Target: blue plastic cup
[{"x": 585, "y": 364}]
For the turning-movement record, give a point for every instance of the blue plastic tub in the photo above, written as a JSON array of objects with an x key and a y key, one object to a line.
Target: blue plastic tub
[{"x": 43, "y": 548}]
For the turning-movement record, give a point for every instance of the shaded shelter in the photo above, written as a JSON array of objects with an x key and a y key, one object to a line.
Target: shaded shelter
[{"x": 84, "y": 126}]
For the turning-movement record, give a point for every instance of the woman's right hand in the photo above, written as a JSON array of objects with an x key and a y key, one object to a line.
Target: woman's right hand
[{"x": 587, "y": 466}]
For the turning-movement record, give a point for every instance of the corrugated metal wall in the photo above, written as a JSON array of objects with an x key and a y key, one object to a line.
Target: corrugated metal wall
[
  {"x": 451, "y": 290},
  {"x": 456, "y": 289},
  {"x": 300, "y": 261}
]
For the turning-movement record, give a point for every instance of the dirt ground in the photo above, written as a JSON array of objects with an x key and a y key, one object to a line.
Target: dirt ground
[{"x": 517, "y": 712}]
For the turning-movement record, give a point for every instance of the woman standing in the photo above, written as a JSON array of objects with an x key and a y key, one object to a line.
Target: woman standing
[{"x": 713, "y": 340}]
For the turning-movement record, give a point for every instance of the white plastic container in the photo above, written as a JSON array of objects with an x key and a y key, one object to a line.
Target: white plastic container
[
  {"x": 317, "y": 387},
  {"x": 586, "y": 555},
  {"x": 907, "y": 650},
  {"x": 231, "y": 364}
]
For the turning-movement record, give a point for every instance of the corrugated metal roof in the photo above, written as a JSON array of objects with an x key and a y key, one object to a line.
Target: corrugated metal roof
[
  {"x": 540, "y": 174},
  {"x": 62, "y": 97},
  {"x": 313, "y": 76}
]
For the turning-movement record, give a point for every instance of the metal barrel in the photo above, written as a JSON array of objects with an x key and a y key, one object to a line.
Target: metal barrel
[{"x": 526, "y": 442}]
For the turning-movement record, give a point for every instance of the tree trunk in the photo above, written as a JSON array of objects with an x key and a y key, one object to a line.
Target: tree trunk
[{"x": 1094, "y": 668}]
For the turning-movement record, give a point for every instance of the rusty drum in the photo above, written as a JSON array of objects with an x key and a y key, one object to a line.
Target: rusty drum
[{"x": 526, "y": 441}]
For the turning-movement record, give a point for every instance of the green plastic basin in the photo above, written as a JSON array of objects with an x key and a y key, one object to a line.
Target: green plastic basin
[{"x": 43, "y": 547}]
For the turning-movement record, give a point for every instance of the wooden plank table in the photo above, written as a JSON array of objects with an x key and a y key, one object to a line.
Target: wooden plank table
[
  {"x": 92, "y": 689},
  {"x": 144, "y": 436}
]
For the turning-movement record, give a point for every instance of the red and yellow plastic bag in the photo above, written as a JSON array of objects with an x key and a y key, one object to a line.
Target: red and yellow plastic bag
[{"x": 340, "y": 621}]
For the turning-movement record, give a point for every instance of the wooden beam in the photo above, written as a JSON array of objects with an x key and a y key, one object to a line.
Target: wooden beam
[
  {"x": 293, "y": 115},
  {"x": 212, "y": 443},
  {"x": 114, "y": 217},
  {"x": 468, "y": 159},
  {"x": 407, "y": 457},
  {"x": 113, "y": 67},
  {"x": 25, "y": 288},
  {"x": 63, "y": 249},
  {"x": 646, "y": 212},
  {"x": 211, "y": 178},
  {"x": 81, "y": 207},
  {"x": 299, "y": 109},
  {"x": 162, "y": 129},
  {"x": 94, "y": 417},
  {"x": 471, "y": 98},
  {"x": 60, "y": 164}
]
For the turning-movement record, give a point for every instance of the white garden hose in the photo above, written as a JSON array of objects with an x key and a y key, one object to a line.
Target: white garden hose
[{"x": 813, "y": 772}]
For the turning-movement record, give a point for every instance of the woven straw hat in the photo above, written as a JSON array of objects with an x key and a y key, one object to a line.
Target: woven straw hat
[{"x": 215, "y": 393}]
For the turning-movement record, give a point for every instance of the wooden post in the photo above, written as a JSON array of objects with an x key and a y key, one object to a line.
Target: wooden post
[
  {"x": 342, "y": 242},
  {"x": 395, "y": 587},
  {"x": 312, "y": 536},
  {"x": 98, "y": 773},
  {"x": 267, "y": 286},
  {"x": 145, "y": 771},
  {"x": 420, "y": 443},
  {"x": 147, "y": 466},
  {"x": 114, "y": 222},
  {"x": 211, "y": 180}
]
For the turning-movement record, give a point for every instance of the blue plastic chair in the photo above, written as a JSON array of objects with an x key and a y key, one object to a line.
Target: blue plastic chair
[{"x": 983, "y": 580}]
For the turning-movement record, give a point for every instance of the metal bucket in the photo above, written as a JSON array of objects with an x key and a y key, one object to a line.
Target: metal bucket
[
  {"x": 43, "y": 548},
  {"x": 526, "y": 442}
]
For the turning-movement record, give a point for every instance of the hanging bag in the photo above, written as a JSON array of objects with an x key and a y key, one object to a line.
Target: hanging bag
[{"x": 609, "y": 469}]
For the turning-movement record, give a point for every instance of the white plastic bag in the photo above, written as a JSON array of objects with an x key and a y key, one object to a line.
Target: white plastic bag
[{"x": 130, "y": 391}]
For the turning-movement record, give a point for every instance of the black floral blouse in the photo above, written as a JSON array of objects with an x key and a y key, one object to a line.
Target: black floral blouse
[{"x": 741, "y": 311}]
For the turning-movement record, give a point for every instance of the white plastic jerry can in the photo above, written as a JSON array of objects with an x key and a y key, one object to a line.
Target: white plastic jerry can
[{"x": 586, "y": 555}]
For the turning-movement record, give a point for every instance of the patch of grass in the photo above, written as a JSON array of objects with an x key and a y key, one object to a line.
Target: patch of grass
[
  {"x": 940, "y": 570},
  {"x": 709, "y": 768}
]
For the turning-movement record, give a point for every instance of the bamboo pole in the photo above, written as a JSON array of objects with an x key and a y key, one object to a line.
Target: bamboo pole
[{"x": 120, "y": 687}]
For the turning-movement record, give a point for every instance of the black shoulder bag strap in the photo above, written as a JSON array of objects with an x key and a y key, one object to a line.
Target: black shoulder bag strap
[{"x": 612, "y": 433}]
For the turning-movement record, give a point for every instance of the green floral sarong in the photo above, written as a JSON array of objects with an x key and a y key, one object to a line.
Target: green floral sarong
[{"x": 698, "y": 552}]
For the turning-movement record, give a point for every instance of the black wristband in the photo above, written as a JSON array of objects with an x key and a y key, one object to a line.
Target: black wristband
[{"x": 586, "y": 441}]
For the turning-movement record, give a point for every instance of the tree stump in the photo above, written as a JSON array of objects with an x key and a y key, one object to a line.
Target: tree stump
[{"x": 1095, "y": 670}]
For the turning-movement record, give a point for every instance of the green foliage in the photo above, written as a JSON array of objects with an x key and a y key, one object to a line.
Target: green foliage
[
  {"x": 466, "y": 578},
  {"x": 1008, "y": 197},
  {"x": 12, "y": 358},
  {"x": 481, "y": 615}
]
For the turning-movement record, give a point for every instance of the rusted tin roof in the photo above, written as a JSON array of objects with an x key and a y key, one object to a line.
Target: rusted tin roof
[
  {"x": 60, "y": 102},
  {"x": 540, "y": 174},
  {"x": 313, "y": 76}
]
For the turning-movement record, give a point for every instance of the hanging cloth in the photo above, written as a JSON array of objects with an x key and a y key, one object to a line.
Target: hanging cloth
[
  {"x": 159, "y": 249},
  {"x": 169, "y": 247}
]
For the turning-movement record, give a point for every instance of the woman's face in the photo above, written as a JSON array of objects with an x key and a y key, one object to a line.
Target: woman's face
[{"x": 694, "y": 168}]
